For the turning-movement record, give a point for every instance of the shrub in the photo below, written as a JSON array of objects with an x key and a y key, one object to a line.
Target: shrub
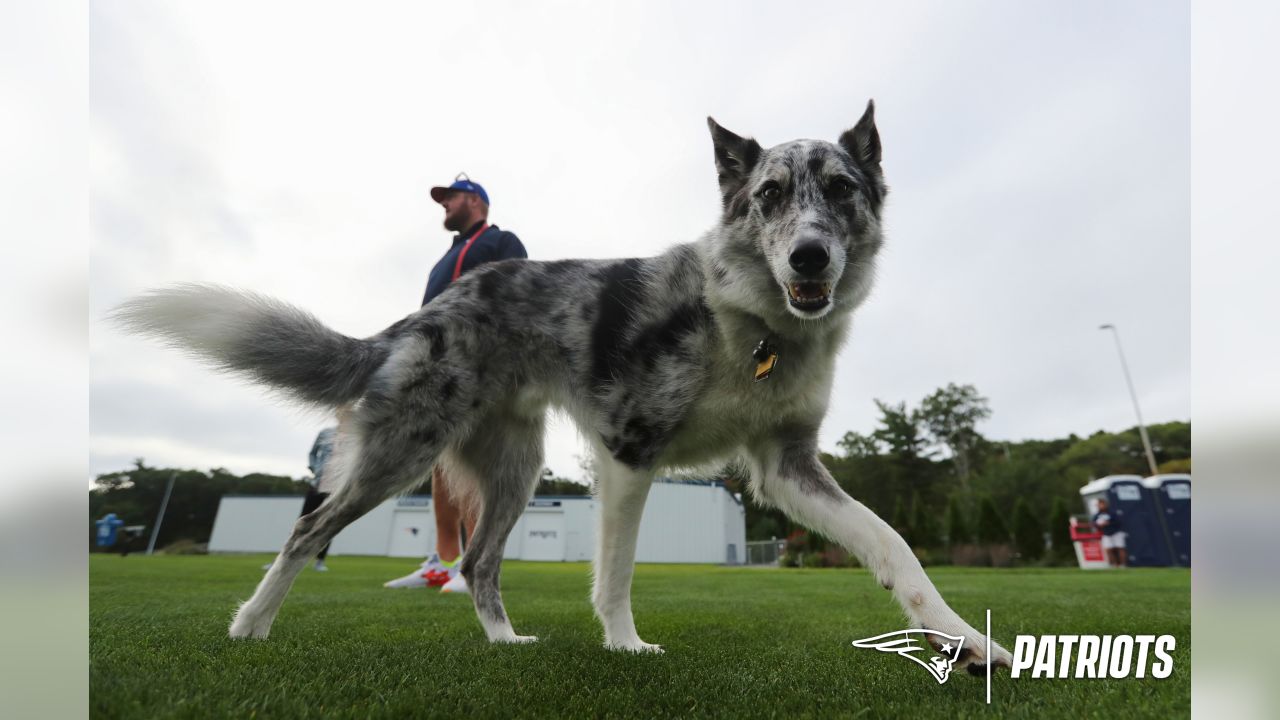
[
  {"x": 958, "y": 532},
  {"x": 1060, "y": 532},
  {"x": 1028, "y": 536},
  {"x": 923, "y": 531},
  {"x": 991, "y": 529}
]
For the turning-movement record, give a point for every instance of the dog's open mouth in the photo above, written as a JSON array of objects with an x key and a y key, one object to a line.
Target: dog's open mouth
[{"x": 809, "y": 295}]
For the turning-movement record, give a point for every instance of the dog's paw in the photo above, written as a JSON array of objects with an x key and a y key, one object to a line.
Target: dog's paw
[
  {"x": 637, "y": 646},
  {"x": 248, "y": 625},
  {"x": 515, "y": 640},
  {"x": 246, "y": 631},
  {"x": 977, "y": 665},
  {"x": 973, "y": 652},
  {"x": 976, "y": 661}
]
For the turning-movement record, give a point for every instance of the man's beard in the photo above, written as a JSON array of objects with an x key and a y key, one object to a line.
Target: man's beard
[{"x": 456, "y": 223}]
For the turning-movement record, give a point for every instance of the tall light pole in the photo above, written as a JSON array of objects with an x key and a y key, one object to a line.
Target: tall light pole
[
  {"x": 1142, "y": 429},
  {"x": 155, "y": 531}
]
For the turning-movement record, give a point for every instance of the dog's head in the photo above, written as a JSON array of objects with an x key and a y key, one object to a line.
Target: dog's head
[{"x": 808, "y": 211}]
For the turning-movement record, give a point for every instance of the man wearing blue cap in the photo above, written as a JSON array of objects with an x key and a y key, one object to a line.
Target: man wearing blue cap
[{"x": 466, "y": 212}]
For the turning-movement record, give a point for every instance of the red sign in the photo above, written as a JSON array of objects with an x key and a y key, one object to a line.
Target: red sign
[{"x": 1092, "y": 550}]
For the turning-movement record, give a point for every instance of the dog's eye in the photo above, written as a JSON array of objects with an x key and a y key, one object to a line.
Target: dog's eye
[
  {"x": 770, "y": 192},
  {"x": 840, "y": 188}
]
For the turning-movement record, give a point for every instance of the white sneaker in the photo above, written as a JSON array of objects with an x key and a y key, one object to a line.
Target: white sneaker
[
  {"x": 431, "y": 573},
  {"x": 321, "y": 567},
  {"x": 456, "y": 585}
]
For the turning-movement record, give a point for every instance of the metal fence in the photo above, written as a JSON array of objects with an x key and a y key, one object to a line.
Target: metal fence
[{"x": 765, "y": 552}]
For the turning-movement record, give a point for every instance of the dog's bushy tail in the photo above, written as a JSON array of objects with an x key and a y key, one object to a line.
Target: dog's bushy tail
[{"x": 258, "y": 338}]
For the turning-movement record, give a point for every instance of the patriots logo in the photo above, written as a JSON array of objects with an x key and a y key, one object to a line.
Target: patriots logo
[{"x": 911, "y": 644}]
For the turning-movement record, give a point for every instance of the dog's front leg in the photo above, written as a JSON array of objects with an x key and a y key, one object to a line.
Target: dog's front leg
[
  {"x": 621, "y": 493},
  {"x": 790, "y": 475}
]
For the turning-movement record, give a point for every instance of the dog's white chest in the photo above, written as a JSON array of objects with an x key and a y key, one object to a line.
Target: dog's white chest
[{"x": 736, "y": 410}]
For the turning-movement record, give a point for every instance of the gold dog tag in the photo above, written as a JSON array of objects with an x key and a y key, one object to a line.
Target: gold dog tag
[
  {"x": 766, "y": 357},
  {"x": 764, "y": 367}
]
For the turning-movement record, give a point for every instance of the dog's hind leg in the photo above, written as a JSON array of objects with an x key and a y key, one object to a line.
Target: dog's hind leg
[
  {"x": 377, "y": 464},
  {"x": 622, "y": 493},
  {"x": 310, "y": 533},
  {"x": 790, "y": 476},
  {"x": 502, "y": 461}
]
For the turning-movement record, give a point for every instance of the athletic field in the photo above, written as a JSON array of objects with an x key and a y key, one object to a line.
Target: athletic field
[{"x": 740, "y": 643}]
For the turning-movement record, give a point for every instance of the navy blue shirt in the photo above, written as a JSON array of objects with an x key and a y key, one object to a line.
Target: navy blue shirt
[
  {"x": 1106, "y": 522},
  {"x": 493, "y": 244}
]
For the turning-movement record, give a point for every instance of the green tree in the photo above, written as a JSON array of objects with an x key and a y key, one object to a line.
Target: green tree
[
  {"x": 901, "y": 522},
  {"x": 958, "y": 532},
  {"x": 1060, "y": 531},
  {"x": 951, "y": 415},
  {"x": 1170, "y": 441},
  {"x": 855, "y": 444},
  {"x": 1028, "y": 536},
  {"x": 1018, "y": 476},
  {"x": 899, "y": 431},
  {"x": 923, "y": 528},
  {"x": 1104, "y": 453},
  {"x": 908, "y": 461},
  {"x": 991, "y": 529}
]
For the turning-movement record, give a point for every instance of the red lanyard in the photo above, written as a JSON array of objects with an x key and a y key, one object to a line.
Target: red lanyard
[{"x": 457, "y": 269}]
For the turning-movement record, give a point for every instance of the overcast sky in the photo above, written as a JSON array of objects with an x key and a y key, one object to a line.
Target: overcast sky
[{"x": 1037, "y": 155}]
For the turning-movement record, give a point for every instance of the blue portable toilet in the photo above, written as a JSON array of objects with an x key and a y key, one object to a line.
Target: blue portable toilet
[
  {"x": 108, "y": 526},
  {"x": 1145, "y": 542},
  {"x": 1100, "y": 488},
  {"x": 1172, "y": 494}
]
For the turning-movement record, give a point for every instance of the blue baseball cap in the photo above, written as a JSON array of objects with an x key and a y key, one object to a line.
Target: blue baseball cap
[{"x": 461, "y": 183}]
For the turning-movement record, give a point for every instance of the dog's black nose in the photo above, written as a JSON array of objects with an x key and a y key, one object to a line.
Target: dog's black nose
[{"x": 809, "y": 257}]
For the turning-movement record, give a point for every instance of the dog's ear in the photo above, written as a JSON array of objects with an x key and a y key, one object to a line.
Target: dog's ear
[
  {"x": 735, "y": 156},
  {"x": 863, "y": 141}
]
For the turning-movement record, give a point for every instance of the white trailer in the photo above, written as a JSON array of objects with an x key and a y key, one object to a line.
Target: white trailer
[{"x": 683, "y": 522}]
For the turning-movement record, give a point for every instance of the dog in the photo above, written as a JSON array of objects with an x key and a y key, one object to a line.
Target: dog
[{"x": 716, "y": 351}]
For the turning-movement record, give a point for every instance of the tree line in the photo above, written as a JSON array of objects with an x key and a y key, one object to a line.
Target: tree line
[{"x": 959, "y": 497}]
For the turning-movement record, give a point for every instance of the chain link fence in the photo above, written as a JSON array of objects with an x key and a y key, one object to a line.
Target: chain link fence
[{"x": 765, "y": 552}]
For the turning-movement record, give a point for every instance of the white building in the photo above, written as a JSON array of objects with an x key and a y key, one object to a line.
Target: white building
[{"x": 683, "y": 522}]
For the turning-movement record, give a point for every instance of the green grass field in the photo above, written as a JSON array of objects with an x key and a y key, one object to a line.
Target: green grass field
[{"x": 739, "y": 642}]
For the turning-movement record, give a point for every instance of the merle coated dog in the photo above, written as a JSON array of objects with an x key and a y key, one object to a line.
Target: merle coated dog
[{"x": 716, "y": 351}]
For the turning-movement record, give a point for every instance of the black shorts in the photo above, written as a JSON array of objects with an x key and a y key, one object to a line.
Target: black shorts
[{"x": 313, "y": 501}]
